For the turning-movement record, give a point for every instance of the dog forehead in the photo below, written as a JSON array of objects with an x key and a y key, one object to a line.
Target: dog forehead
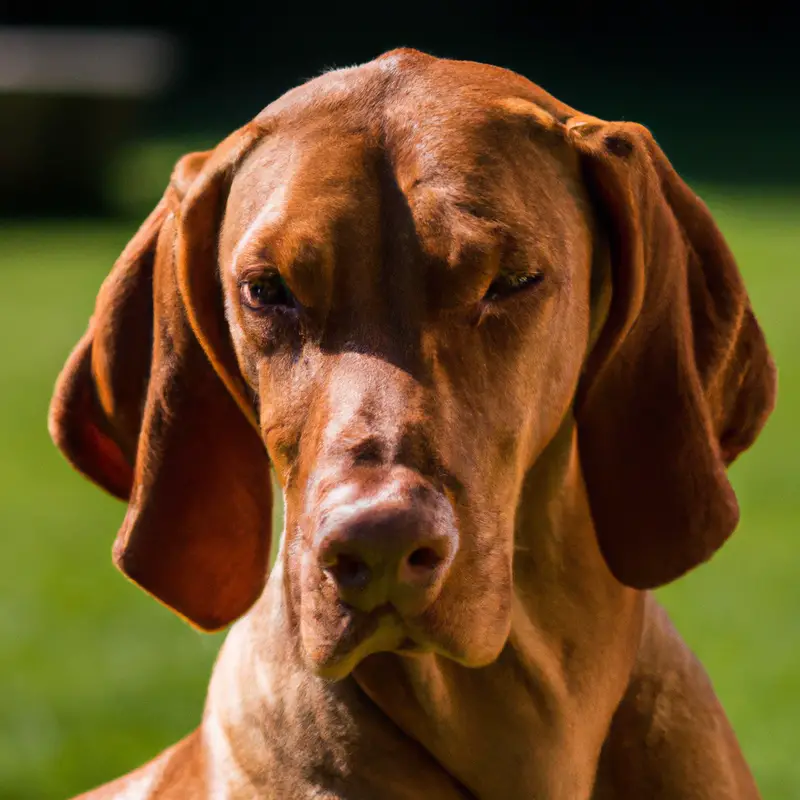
[
  {"x": 467, "y": 151},
  {"x": 447, "y": 139},
  {"x": 339, "y": 195},
  {"x": 413, "y": 104}
]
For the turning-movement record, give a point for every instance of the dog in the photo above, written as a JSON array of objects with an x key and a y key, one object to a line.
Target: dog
[{"x": 498, "y": 357}]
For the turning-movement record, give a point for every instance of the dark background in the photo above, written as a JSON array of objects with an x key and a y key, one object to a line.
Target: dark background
[{"x": 718, "y": 83}]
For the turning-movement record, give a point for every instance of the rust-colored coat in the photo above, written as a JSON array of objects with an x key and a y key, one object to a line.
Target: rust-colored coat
[{"x": 458, "y": 317}]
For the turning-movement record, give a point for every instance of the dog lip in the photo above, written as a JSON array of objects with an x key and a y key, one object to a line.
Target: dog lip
[
  {"x": 357, "y": 630},
  {"x": 379, "y": 630}
]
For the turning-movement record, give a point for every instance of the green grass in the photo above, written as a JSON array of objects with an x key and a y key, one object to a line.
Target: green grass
[{"x": 95, "y": 677}]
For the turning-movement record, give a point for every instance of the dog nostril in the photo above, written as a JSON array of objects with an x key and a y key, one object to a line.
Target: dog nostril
[
  {"x": 349, "y": 572},
  {"x": 424, "y": 558}
]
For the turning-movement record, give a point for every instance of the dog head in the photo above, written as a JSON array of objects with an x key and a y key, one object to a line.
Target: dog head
[{"x": 393, "y": 287}]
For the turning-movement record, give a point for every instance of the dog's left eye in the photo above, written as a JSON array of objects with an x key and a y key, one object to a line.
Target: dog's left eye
[
  {"x": 510, "y": 283},
  {"x": 265, "y": 291}
]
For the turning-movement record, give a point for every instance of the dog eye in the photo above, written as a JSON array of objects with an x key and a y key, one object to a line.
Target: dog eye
[
  {"x": 510, "y": 283},
  {"x": 265, "y": 291}
]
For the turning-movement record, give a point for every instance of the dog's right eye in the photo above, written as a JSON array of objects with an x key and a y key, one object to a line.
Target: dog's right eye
[
  {"x": 265, "y": 291},
  {"x": 511, "y": 283}
]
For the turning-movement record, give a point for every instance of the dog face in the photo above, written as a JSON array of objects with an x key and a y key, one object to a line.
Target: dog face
[
  {"x": 386, "y": 288},
  {"x": 408, "y": 298}
]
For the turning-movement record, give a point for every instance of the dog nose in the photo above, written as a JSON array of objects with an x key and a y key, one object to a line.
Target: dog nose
[{"x": 388, "y": 553}]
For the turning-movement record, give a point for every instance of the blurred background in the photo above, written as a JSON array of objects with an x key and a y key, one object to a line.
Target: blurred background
[{"x": 95, "y": 107}]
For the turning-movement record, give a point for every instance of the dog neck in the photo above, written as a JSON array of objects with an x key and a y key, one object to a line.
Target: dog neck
[{"x": 530, "y": 724}]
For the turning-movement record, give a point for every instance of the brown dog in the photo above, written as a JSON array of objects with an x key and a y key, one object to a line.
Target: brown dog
[{"x": 499, "y": 357}]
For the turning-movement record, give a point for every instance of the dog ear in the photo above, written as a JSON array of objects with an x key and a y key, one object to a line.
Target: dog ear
[
  {"x": 151, "y": 407},
  {"x": 680, "y": 380}
]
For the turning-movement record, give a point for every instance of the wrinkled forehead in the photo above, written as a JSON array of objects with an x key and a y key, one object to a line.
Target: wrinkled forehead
[{"x": 452, "y": 164}]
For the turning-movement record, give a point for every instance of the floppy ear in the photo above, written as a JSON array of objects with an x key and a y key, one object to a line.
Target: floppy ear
[
  {"x": 680, "y": 380},
  {"x": 148, "y": 406}
]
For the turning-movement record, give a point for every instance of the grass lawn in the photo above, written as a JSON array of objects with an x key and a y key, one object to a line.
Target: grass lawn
[{"x": 95, "y": 677}]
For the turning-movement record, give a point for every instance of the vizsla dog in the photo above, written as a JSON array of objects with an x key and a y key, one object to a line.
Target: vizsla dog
[{"x": 499, "y": 357}]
